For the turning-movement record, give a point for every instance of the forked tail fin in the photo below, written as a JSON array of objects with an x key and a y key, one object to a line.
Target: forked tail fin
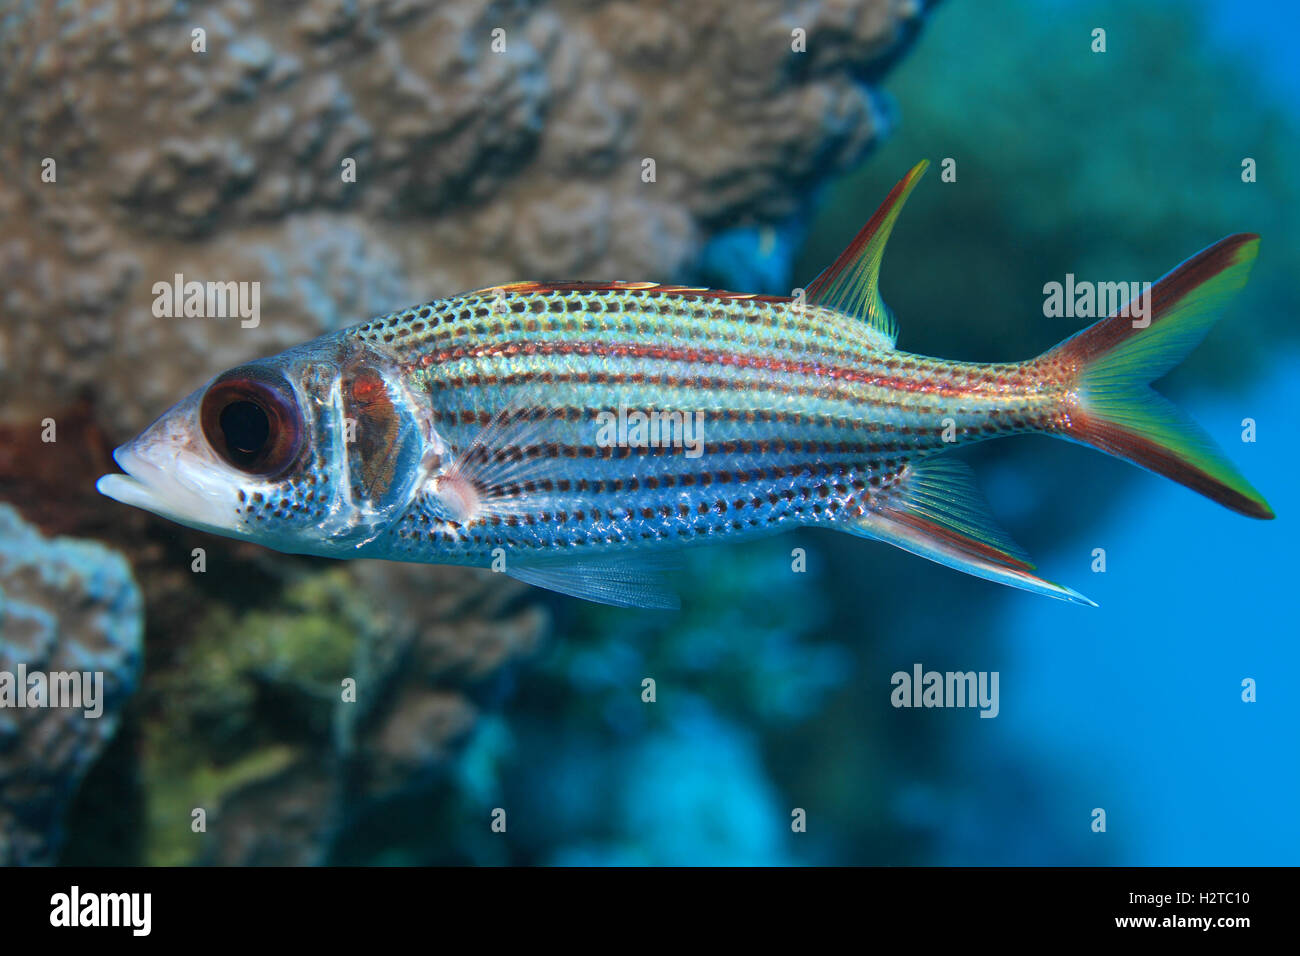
[{"x": 1113, "y": 409}]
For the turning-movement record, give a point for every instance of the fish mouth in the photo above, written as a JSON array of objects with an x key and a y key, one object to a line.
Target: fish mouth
[
  {"x": 125, "y": 486},
  {"x": 165, "y": 492}
]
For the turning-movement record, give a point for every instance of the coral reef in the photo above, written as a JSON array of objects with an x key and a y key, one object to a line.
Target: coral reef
[
  {"x": 261, "y": 735},
  {"x": 65, "y": 606},
  {"x": 480, "y": 158}
]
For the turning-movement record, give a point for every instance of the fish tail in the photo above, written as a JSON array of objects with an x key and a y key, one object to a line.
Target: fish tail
[{"x": 1108, "y": 366}]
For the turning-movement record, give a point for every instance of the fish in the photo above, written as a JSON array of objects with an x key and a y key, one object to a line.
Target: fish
[{"x": 577, "y": 435}]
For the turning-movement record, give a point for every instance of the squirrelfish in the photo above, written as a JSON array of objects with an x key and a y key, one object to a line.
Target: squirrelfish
[{"x": 568, "y": 432}]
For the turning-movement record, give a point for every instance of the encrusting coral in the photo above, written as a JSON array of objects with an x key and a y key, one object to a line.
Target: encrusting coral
[{"x": 69, "y": 608}]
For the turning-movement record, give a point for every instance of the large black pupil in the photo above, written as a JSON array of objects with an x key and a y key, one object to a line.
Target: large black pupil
[{"x": 246, "y": 427}]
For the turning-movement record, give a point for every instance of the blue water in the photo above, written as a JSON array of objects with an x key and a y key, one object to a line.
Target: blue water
[
  {"x": 1265, "y": 32},
  {"x": 1137, "y": 707}
]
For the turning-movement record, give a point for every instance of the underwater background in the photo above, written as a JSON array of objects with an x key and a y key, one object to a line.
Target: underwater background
[{"x": 772, "y": 686}]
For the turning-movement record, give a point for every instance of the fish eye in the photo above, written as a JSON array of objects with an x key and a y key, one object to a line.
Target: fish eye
[{"x": 252, "y": 421}]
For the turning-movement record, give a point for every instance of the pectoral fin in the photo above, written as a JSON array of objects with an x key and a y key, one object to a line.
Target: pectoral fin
[{"x": 509, "y": 468}]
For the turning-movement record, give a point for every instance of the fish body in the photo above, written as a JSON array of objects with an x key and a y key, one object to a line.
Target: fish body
[
  {"x": 799, "y": 416},
  {"x": 567, "y": 432}
]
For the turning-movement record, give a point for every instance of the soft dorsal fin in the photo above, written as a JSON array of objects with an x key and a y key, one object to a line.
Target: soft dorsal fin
[{"x": 849, "y": 284}]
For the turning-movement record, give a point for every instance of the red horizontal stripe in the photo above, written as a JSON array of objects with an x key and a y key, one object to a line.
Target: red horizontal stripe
[{"x": 672, "y": 353}]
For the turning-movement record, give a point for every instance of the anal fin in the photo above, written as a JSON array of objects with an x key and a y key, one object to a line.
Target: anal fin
[{"x": 939, "y": 514}]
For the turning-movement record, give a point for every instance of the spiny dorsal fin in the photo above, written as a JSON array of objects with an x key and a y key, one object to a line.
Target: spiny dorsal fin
[
  {"x": 532, "y": 287},
  {"x": 849, "y": 284}
]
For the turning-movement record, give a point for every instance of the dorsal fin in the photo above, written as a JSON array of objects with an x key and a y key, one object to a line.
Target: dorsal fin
[
  {"x": 528, "y": 287},
  {"x": 849, "y": 284}
]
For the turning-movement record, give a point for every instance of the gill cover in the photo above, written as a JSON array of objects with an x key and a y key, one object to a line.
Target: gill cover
[{"x": 376, "y": 450}]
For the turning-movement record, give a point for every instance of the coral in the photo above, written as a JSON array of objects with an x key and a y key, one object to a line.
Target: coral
[
  {"x": 258, "y": 733},
  {"x": 472, "y": 166},
  {"x": 65, "y": 605}
]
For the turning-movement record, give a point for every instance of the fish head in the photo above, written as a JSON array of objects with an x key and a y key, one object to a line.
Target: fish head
[{"x": 316, "y": 450}]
